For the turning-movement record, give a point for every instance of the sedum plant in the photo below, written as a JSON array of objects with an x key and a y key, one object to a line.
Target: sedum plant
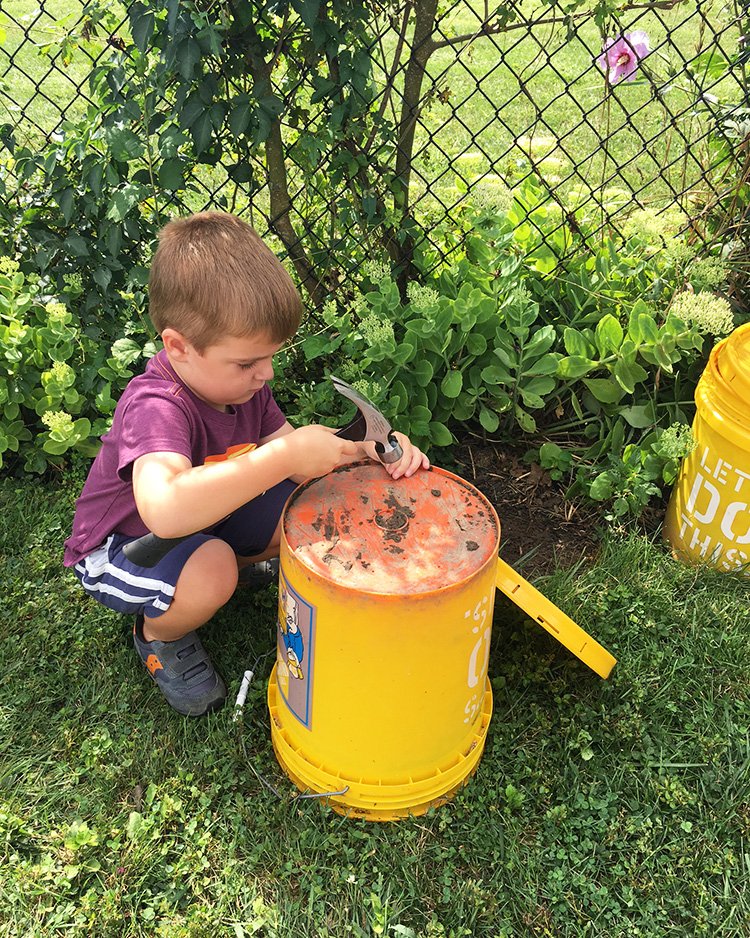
[{"x": 58, "y": 383}]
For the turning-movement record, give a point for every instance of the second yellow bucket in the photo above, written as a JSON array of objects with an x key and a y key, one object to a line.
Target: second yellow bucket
[{"x": 708, "y": 516}]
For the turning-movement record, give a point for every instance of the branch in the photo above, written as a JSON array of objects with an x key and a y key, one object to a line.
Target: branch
[
  {"x": 489, "y": 29},
  {"x": 280, "y": 203},
  {"x": 390, "y": 81}
]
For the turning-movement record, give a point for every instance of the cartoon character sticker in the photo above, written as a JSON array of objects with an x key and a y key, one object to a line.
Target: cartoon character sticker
[{"x": 294, "y": 657}]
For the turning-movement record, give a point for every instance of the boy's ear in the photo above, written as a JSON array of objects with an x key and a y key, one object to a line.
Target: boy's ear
[{"x": 175, "y": 344}]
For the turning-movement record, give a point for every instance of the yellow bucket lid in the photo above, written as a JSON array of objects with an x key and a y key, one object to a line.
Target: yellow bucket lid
[{"x": 362, "y": 530}]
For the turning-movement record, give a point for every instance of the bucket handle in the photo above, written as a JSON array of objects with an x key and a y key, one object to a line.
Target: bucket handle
[{"x": 554, "y": 620}]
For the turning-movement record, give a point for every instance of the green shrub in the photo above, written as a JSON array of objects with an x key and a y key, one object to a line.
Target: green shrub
[
  {"x": 594, "y": 352},
  {"x": 58, "y": 383}
]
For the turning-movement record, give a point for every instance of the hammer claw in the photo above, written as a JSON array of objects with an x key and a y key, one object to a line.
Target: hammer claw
[{"x": 370, "y": 423}]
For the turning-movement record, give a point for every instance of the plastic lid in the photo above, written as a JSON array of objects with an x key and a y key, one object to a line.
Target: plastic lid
[{"x": 359, "y": 528}]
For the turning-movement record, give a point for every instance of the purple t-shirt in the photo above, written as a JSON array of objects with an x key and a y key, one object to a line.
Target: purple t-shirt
[{"x": 158, "y": 413}]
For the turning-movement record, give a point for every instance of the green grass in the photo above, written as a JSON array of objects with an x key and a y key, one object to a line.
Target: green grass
[{"x": 617, "y": 808}]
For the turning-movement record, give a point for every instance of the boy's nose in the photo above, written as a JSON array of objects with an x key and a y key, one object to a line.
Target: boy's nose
[{"x": 265, "y": 369}]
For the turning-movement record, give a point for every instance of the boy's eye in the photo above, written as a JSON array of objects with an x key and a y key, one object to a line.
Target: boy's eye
[{"x": 245, "y": 365}]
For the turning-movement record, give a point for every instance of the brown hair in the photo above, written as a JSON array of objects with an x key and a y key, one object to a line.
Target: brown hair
[{"x": 212, "y": 276}]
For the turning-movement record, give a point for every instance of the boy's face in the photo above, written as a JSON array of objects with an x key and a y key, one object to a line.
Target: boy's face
[{"x": 229, "y": 372}]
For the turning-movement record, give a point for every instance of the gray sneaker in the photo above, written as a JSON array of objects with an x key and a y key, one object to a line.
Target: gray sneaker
[
  {"x": 182, "y": 671},
  {"x": 259, "y": 574}
]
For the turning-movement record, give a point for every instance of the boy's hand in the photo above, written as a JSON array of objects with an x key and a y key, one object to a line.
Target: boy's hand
[
  {"x": 317, "y": 450},
  {"x": 412, "y": 459}
]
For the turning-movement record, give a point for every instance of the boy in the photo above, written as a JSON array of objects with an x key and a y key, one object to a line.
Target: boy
[{"x": 224, "y": 305}]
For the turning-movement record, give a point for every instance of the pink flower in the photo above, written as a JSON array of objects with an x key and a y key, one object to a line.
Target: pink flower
[{"x": 621, "y": 56}]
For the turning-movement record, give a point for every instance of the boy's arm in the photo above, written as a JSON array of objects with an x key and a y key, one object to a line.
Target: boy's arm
[
  {"x": 175, "y": 498},
  {"x": 411, "y": 460},
  {"x": 287, "y": 428}
]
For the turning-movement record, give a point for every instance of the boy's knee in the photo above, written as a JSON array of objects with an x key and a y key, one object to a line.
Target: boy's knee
[{"x": 213, "y": 571}]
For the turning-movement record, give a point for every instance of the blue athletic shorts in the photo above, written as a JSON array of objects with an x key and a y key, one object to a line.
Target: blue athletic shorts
[{"x": 112, "y": 579}]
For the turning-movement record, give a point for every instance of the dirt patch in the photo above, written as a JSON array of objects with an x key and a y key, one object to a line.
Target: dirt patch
[{"x": 535, "y": 517}]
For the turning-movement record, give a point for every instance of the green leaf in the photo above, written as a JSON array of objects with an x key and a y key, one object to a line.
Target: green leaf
[
  {"x": 574, "y": 367},
  {"x": 123, "y": 201},
  {"x": 126, "y": 351},
  {"x": 103, "y": 277},
  {"x": 124, "y": 145},
  {"x": 440, "y": 435},
  {"x": 423, "y": 372},
  {"x": 639, "y": 416},
  {"x": 642, "y": 328},
  {"x": 605, "y": 390},
  {"x": 496, "y": 374},
  {"x": 201, "y": 130},
  {"x": 541, "y": 342},
  {"x": 546, "y": 365},
  {"x": 187, "y": 56},
  {"x": 141, "y": 25},
  {"x": 78, "y": 246},
  {"x": 609, "y": 335},
  {"x": 452, "y": 383},
  {"x": 601, "y": 488},
  {"x": 476, "y": 344},
  {"x": 403, "y": 354},
  {"x": 171, "y": 174},
  {"x": 628, "y": 374},
  {"x": 541, "y": 386},
  {"x": 525, "y": 421},
  {"x": 489, "y": 419},
  {"x": 316, "y": 345},
  {"x": 576, "y": 344},
  {"x": 66, "y": 200}
]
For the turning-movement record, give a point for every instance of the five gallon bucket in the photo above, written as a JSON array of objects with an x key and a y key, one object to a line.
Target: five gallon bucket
[
  {"x": 380, "y": 696},
  {"x": 380, "y": 700},
  {"x": 708, "y": 516}
]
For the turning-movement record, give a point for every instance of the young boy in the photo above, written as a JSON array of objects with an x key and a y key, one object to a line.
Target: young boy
[{"x": 224, "y": 305}]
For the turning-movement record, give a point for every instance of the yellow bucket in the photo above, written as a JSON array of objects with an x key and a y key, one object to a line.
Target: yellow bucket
[
  {"x": 380, "y": 699},
  {"x": 708, "y": 516}
]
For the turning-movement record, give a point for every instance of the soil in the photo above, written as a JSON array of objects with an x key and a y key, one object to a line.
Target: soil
[{"x": 540, "y": 528}]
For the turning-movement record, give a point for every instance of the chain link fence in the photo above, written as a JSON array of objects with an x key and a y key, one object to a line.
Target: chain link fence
[{"x": 649, "y": 112}]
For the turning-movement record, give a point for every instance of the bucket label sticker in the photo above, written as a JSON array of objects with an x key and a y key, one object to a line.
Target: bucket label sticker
[
  {"x": 714, "y": 522},
  {"x": 294, "y": 651}
]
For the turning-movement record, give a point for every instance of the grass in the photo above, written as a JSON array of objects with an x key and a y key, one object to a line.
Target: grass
[{"x": 617, "y": 808}]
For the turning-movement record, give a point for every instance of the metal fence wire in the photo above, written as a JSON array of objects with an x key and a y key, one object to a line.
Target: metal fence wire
[{"x": 647, "y": 112}]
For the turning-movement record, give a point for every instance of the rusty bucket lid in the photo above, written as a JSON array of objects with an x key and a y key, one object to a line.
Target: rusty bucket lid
[{"x": 361, "y": 529}]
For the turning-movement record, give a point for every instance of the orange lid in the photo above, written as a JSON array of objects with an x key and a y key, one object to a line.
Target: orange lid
[{"x": 360, "y": 529}]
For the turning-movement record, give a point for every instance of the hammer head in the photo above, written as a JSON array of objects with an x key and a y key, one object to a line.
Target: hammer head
[{"x": 369, "y": 424}]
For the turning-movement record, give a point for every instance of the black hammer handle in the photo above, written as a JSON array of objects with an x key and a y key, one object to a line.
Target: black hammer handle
[{"x": 148, "y": 550}]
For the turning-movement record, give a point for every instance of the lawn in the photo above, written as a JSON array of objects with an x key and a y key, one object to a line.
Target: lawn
[{"x": 617, "y": 808}]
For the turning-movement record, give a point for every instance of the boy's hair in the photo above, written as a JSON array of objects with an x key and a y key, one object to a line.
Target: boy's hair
[{"x": 213, "y": 277}]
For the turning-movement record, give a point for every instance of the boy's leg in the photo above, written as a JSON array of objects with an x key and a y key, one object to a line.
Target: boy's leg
[
  {"x": 206, "y": 583},
  {"x": 168, "y": 644},
  {"x": 170, "y": 600},
  {"x": 272, "y": 550},
  {"x": 254, "y": 530}
]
